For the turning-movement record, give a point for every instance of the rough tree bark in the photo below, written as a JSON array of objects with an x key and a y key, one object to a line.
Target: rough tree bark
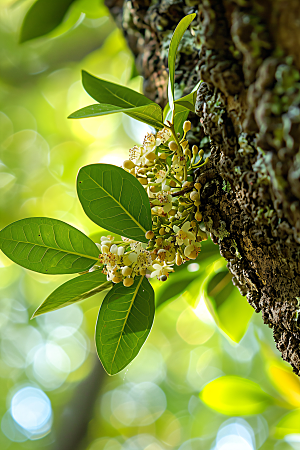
[{"x": 247, "y": 53}]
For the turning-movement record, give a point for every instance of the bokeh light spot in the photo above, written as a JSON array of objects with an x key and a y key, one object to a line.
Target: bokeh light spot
[{"x": 31, "y": 409}]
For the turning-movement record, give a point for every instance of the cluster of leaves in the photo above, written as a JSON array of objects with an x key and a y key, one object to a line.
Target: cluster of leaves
[{"x": 113, "y": 199}]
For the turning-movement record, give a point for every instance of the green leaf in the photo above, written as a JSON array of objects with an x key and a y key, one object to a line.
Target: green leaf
[
  {"x": 115, "y": 98},
  {"x": 115, "y": 200},
  {"x": 176, "y": 38},
  {"x": 288, "y": 424},
  {"x": 43, "y": 17},
  {"x": 124, "y": 322},
  {"x": 222, "y": 297},
  {"x": 150, "y": 114},
  {"x": 134, "y": 72},
  {"x": 175, "y": 286},
  {"x": 48, "y": 246},
  {"x": 235, "y": 396},
  {"x": 74, "y": 290},
  {"x": 188, "y": 101},
  {"x": 180, "y": 116}
]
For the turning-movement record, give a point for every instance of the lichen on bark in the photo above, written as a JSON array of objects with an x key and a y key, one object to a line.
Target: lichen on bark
[{"x": 247, "y": 54}]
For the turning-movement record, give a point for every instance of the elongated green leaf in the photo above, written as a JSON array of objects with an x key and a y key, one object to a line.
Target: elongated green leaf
[
  {"x": 124, "y": 322},
  {"x": 48, "y": 246},
  {"x": 115, "y": 200},
  {"x": 43, "y": 17},
  {"x": 175, "y": 286},
  {"x": 74, "y": 290},
  {"x": 150, "y": 114},
  {"x": 222, "y": 297},
  {"x": 180, "y": 116},
  {"x": 111, "y": 93},
  {"x": 115, "y": 98},
  {"x": 188, "y": 101},
  {"x": 235, "y": 396},
  {"x": 176, "y": 38}
]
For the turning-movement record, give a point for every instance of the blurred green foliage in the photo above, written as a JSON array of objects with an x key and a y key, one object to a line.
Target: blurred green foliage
[{"x": 205, "y": 341}]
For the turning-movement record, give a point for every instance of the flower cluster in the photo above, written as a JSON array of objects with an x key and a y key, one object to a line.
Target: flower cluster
[{"x": 165, "y": 168}]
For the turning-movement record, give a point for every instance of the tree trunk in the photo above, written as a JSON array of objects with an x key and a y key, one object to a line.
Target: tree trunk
[{"x": 247, "y": 53}]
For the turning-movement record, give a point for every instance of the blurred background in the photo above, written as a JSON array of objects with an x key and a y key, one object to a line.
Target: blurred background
[{"x": 209, "y": 376}]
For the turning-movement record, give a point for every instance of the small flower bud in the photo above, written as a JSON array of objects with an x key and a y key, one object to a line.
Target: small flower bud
[
  {"x": 162, "y": 231},
  {"x": 154, "y": 189},
  {"x": 163, "y": 156},
  {"x": 126, "y": 271},
  {"x": 194, "y": 196},
  {"x": 194, "y": 223},
  {"x": 143, "y": 170},
  {"x": 186, "y": 184},
  {"x": 114, "y": 249},
  {"x": 173, "y": 146},
  {"x": 104, "y": 249},
  {"x": 201, "y": 153},
  {"x": 159, "y": 242},
  {"x": 127, "y": 282},
  {"x": 143, "y": 181},
  {"x": 128, "y": 164},
  {"x": 198, "y": 216},
  {"x": 149, "y": 235},
  {"x": 197, "y": 186},
  {"x": 151, "y": 156},
  {"x": 187, "y": 152},
  {"x": 195, "y": 150},
  {"x": 172, "y": 212},
  {"x": 187, "y": 126},
  {"x": 117, "y": 279},
  {"x": 178, "y": 260},
  {"x": 193, "y": 255},
  {"x": 184, "y": 144}
]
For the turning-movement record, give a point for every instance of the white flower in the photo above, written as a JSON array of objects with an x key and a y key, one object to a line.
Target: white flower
[
  {"x": 104, "y": 249},
  {"x": 161, "y": 176},
  {"x": 144, "y": 260},
  {"x": 178, "y": 163},
  {"x": 161, "y": 270},
  {"x": 183, "y": 235},
  {"x": 163, "y": 135},
  {"x": 149, "y": 142},
  {"x": 108, "y": 238},
  {"x": 121, "y": 251},
  {"x": 114, "y": 249}
]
